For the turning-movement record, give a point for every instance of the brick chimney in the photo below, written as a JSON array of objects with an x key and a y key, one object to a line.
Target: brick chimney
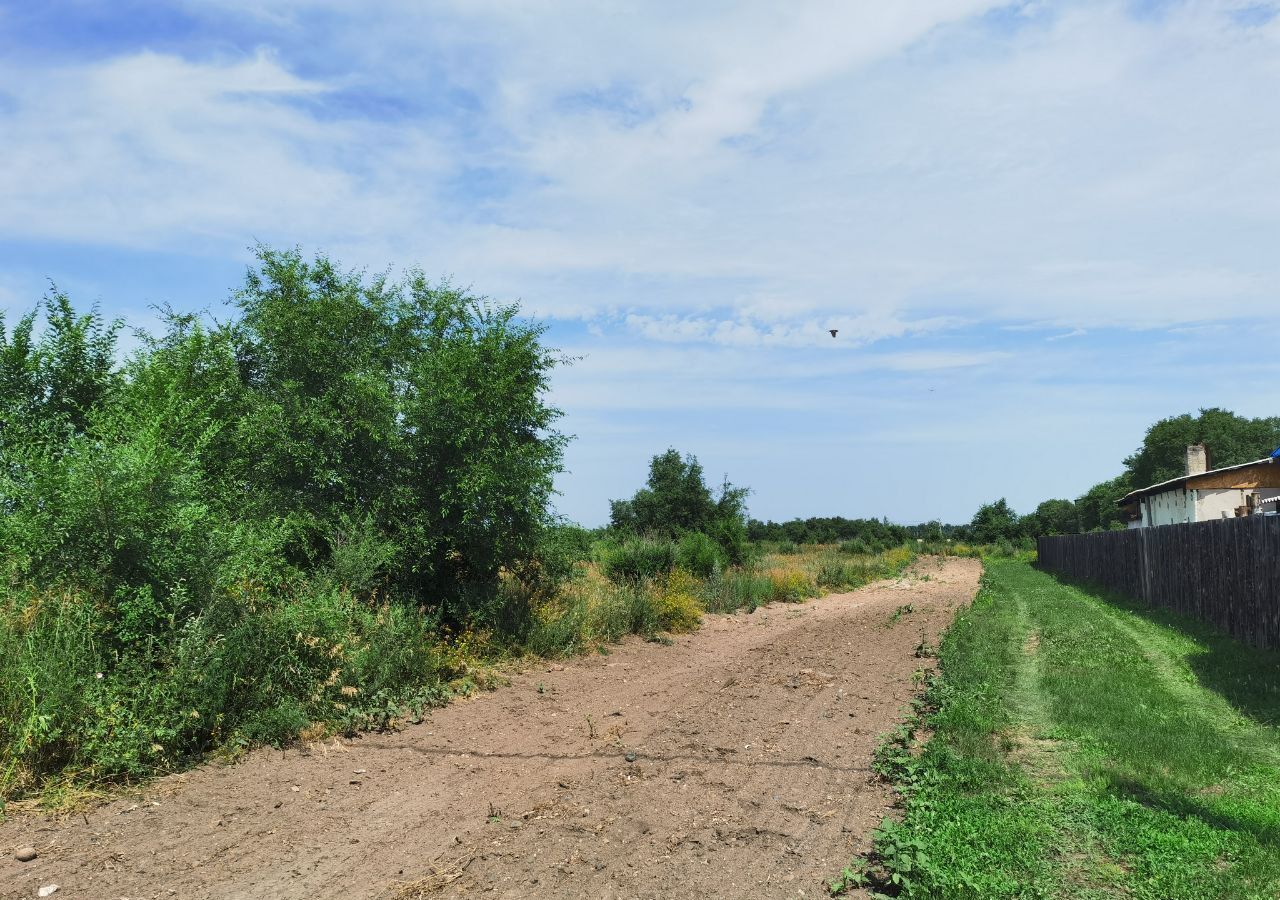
[{"x": 1197, "y": 459}]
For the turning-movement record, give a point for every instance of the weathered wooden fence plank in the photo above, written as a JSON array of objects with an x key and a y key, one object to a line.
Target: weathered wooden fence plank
[{"x": 1225, "y": 572}]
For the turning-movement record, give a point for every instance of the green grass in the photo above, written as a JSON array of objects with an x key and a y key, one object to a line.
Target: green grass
[{"x": 1083, "y": 748}]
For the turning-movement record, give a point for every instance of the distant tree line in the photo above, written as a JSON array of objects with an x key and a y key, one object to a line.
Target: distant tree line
[
  {"x": 876, "y": 534},
  {"x": 676, "y": 500},
  {"x": 1230, "y": 438}
]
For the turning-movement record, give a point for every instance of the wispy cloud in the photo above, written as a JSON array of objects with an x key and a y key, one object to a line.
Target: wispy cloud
[{"x": 696, "y": 193}]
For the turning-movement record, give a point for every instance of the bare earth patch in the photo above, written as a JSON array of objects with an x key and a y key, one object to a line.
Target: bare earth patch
[{"x": 733, "y": 763}]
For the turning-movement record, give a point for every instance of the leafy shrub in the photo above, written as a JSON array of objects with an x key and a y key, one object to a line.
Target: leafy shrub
[
  {"x": 562, "y": 548},
  {"x": 678, "y": 608},
  {"x": 637, "y": 559},
  {"x": 698, "y": 554},
  {"x": 249, "y": 526},
  {"x": 676, "y": 501}
]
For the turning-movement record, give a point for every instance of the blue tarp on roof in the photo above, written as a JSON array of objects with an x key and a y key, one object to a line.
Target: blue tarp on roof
[{"x": 1276, "y": 455}]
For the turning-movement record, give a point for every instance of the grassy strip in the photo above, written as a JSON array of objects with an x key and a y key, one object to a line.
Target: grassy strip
[{"x": 1084, "y": 748}]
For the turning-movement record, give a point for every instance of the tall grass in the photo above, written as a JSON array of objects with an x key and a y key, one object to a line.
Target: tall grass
[
  {"x": 253, "y": 666},
  {"x": 636, "y": 559},
  {"x": 263, "y": 663}
]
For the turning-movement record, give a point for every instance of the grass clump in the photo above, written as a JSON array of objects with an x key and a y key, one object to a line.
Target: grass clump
[
  {"x": 635, "y": 560},
  {"x": 1085, "y": 748},
  {"x": 735, "y": 589}
]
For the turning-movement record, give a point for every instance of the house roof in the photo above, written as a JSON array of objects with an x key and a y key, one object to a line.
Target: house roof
[{"x": 1181, "y": 480}]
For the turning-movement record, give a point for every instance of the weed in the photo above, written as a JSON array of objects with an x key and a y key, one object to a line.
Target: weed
[
  {"x": 853, "y": 876},
  {"x": 443, "y": 872},
  {"x": 925, "y": 649},
  {"x": 677, "y": 608},
  {"x": 905, "y": 609}
]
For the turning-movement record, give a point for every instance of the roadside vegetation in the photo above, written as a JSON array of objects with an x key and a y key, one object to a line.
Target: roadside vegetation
[
  {"x": 242, "y": 531},
  {"x": 323, "y": 515},
  {"x": 1083, "y": 748}
]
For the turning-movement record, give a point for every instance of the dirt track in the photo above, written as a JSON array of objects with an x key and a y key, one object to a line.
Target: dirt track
[{"x": 734, "y": 763}]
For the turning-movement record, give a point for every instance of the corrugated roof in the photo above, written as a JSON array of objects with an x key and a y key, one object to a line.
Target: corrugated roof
[{"x": 1183, "y": 479}]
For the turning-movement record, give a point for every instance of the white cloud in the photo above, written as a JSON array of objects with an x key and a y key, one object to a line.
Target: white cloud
[
  {"x": 706, "y": 188},
  {"x": 155, "y": 152},
  {"x": 851, "y": 331},
  {"x": 861, "y": 163},
  {"x": 710, "y": 187}
]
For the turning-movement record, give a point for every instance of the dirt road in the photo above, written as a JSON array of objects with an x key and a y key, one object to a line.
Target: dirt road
[{"x": 733, "y": 763}]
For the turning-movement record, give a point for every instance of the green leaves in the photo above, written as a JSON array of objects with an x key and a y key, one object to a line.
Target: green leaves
[
  {"x": 1231, "y": 439},
  {"x": 676, "y": 501},
  {"x": 350, "y": 456}
]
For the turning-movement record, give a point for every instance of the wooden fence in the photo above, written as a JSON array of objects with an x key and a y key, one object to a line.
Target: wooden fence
[{"x": 1225, "y": 571}]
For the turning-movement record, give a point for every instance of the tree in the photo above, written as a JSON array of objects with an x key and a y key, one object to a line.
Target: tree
[
  {"x": 676, "y": 501},
  {"x": 995, "y": 522},
  {"x": 1231, "y": 440},
  {"x": 1099, "y": 507},
  {"x": 337, "y": 419},
  {"x": 1052, "y": 517}
]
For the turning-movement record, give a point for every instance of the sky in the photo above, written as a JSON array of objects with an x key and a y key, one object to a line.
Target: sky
[{"x": 1038, "y": 227}]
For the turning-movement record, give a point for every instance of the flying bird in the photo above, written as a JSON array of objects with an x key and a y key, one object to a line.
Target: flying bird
[{"x": 833, "y": 331}]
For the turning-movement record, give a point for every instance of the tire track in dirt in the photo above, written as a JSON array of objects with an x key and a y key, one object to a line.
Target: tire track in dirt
[{"x": 734, "y": 763}]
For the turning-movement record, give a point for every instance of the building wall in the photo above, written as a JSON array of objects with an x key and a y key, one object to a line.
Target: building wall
[
  {"x": 1218, "y": 504},
  {"x": 1167, "y": 508},
  {"x": 1180, "y": 505}
]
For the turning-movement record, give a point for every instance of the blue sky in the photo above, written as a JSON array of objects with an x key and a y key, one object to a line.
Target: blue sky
[{"x": 1038, "y": 226}]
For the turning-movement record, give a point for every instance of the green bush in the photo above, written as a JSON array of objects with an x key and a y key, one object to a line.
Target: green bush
[
  {"x": 252, "y": 665},
  {"x": 350, "y": 461},
  {"x": 579, "y": 619},
  {"x": 637, "y": 559},
  {"x": 834, "y": 572},
  {"x": 698, "y": 554},
  {"x": 676, "y": 501},
  {"x": 858, "y": 546},
  {"x": 562, "y": 548}
]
